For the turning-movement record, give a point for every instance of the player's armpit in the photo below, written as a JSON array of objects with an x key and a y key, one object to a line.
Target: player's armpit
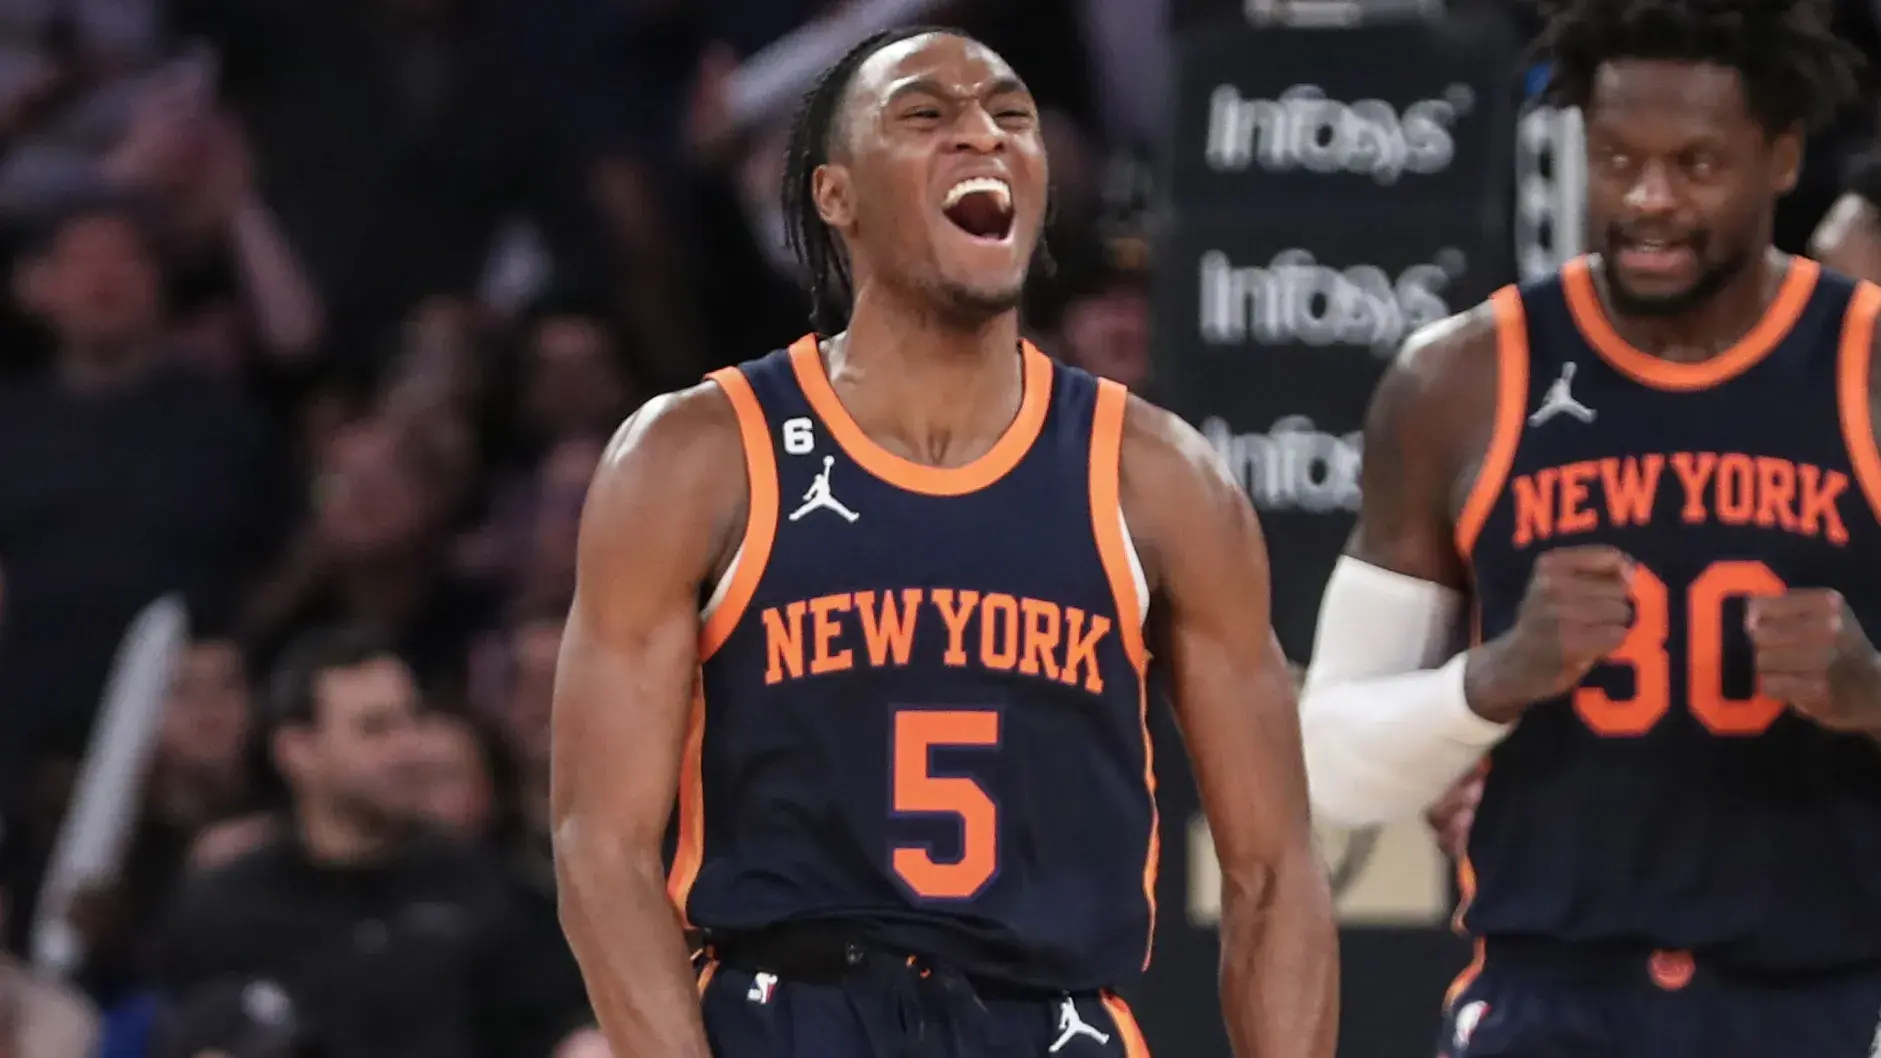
[
  {"x": 1430, "y": 415},
  {"x": 1207, "y": 565},
  {"x": 664, "y": 507}
]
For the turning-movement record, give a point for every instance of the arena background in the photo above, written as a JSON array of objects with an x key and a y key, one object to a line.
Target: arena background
[
  {"x": 1328, "y": 188},
  {"x": 1297, "y": 185}
]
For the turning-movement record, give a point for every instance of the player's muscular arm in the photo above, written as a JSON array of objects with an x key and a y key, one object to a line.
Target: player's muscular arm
[
  {"x": 1428, "y": 423},
  {"x": 661, "y": 514},
  {"x": 1386, "y": 725},
  {"x": 1203, "y": 552}
]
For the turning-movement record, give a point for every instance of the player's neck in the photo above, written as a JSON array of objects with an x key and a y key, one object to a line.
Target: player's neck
[
  {"x": 942, "y": 392},
  {"x": 1709, "y": 329}
]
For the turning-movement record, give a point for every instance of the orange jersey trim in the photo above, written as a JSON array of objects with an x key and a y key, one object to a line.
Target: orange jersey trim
[
  {"x": 1506, "y": 434},
  {"x": 1583, "y": 300},
  {"x": 1468, "y": 977},
  {"x": 761, "y": 511},
  {"x": 996, "y": 463},
  {"x": 1854, "y": 391},
  {"x": 1134, "y": 1046},
  {"x": 1114, "y": 551},
  {"x": 689, "y": 854}
]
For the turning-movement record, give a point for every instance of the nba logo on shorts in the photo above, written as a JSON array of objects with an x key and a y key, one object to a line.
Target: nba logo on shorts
[
  {"x": 1466, "y": 1021},
  {"x": 761, "y": 987}
]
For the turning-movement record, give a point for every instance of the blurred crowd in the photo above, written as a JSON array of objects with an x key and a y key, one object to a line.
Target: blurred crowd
[{"x": 321, "y": 313}]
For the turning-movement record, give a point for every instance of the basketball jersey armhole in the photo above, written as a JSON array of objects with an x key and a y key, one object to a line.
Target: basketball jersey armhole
[
  {"x": 733, "y": 592},
  {"x": 1123, "y": 567},
  {"x": 1854, "y": 391},
  {"x": 1506, "y": 435}
]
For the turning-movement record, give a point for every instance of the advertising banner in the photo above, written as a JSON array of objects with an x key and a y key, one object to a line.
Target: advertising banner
[{"x": 1327, "y": 192}]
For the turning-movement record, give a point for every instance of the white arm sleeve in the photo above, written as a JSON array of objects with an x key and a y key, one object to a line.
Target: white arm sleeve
[{"x": 1383, "y": 716}]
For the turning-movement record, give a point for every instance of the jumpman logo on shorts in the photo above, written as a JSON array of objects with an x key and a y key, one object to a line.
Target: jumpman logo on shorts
[
  {"x": 1071, "y": 1024},
  {"x": 820, "y": 496},
  {"x": 1559, "y": 399}
]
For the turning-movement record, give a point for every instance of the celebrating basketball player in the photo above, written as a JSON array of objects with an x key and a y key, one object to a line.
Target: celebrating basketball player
[
  {"x": 1649, "y": 486},
  {"x": 880, "y": 607}
]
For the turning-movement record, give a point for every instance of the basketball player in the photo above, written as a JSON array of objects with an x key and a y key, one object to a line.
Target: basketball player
[
  {"x": 906, "y": 569},
  {"x": 1650, "y": 483}
]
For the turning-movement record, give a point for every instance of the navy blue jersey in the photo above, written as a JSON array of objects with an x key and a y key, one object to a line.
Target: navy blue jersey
[
  {"x": 1665, "y": 802},
  {"x": 922, "y": 691}
]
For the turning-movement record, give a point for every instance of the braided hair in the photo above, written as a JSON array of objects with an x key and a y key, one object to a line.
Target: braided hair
[
  {"x": 1797, "y": 73},
  {"x": 811, "y": 137}
]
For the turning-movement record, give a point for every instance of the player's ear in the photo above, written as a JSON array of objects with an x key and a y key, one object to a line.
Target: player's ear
[
  {"x": 832, "y": 190},
  {"x": 1786, "y": 161}
]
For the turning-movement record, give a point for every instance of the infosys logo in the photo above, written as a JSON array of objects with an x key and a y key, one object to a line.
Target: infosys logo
[
  {"x": 1296, "y": 466},
  {"x": 1305, "y": 130},
  {"x": 1294, "y": 299}
]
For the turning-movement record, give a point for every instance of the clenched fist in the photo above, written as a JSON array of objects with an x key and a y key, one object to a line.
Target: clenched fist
[
  {"x": 1577, "y": 611},
  {"x": 1812, "y": 654},
  {"x": 1452, "y": 815}
]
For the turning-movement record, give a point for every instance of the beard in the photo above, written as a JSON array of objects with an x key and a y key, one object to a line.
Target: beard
[{"x": 1714, "y": 275}]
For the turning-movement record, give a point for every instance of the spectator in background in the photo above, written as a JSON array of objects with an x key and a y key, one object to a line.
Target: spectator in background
[
  {"x": 574, "y": 382},
  {"x": 70, "y": 76},
  {"x": 387, "y": 939},
  {"x": 256, "y": 1020},
  {"x": 40, "y": 1017},
  {"x": 1104, "y": 324},
  {"x": 372, "y": 556},
  {"x": 399, "y": 139},
  {"x": 129, "y": 475},
  {"x": 468, "y": 784},
  {"x": 237, "y": 274},
  {"x": 197, "y": 778}
]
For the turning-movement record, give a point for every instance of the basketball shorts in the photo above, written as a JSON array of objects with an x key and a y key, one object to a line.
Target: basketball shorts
[
  {"x": 1547, "y": 1001},
  {"x": 880, "y": 1006}
]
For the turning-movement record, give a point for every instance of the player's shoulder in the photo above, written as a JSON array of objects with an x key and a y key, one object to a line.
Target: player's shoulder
[
  {"x": 1170, "y": 473},
  {"x": 686, "y": 447},
  {"x": 1443, "y": 369},
  {"x": 1158, "y": 440},
  {"x": 679, "y": 432},
  {"x": 1459, "y": 346}
]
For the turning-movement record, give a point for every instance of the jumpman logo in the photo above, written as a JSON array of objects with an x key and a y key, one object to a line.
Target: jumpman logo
[
  {"x": 819, "y": 496},
  {"x": 1070, "y": 1024},
  {"x": 1558, "y": 400}
]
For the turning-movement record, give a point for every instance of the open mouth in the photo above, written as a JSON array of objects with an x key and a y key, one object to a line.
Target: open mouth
[
  {"x": 981, "y": 207},
  {"x": 1654, "y": 255}
]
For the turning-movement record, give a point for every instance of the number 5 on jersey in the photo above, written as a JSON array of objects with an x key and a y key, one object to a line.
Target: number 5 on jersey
[
  {"x": 918, "y": 791},
  {"x": 1644, "y": 652}
]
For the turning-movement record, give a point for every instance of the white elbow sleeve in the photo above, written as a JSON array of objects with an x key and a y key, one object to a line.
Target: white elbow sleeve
[{"x": 1383, "y": 716}]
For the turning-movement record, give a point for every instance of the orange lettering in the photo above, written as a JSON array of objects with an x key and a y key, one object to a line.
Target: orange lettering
[
  {"x": 1704, "y": 646},
  {"x": 1820, "y": 493},
  {"x": 1081, "y": 651},
  {"x": 887, "y": 631},
  {"x": 1736, "y": 489},
  {"x": 1776, "y": 490},
  {"x": 1575, "y": 518},
  {"x": 1041, "y": 638},
  {"x": 999, "y": 638},
  {"x": 825, "y": 630},
  {"x": 1534, "y": 507},
  {"x": 1631, "y": 485},
  {"x": 956, "y": 620},
  {"x": 1693, "y": 472},
  {"x": 783, "y": 644}
]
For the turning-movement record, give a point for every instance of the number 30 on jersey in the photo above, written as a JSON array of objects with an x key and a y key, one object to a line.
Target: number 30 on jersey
[{"x": 1644, "y": 652}]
